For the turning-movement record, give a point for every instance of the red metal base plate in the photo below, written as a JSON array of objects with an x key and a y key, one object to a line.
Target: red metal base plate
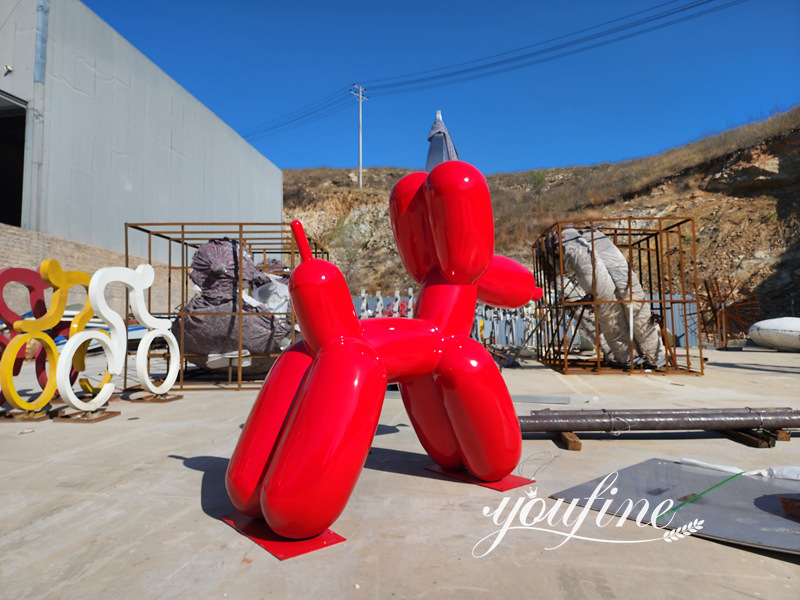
[
  {"x": 280, "y": 547},
  {"x": 509, "y": 482}
]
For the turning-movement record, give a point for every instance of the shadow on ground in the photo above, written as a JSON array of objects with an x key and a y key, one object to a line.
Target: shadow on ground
[
  {"x": 213, "y": 496},
  {"x": 772, "y": 369}
]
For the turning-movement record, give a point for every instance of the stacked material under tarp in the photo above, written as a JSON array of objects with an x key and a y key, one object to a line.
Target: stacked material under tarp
[
  {"x": 573, "y": 292},
  {"x": 215, "y": 270},
  {"x": 594, "y": 263},
  {"x": 639, "y": 317}
]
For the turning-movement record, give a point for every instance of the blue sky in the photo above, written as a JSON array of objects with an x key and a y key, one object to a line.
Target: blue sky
[{"x": 254, "y": 63}]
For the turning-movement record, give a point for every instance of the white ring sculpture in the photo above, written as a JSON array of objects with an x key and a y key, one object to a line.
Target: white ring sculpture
[{"x": 115, "y": 345}]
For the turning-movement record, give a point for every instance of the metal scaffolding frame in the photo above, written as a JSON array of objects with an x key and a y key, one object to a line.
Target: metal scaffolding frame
[
  {"x": 728, "y": 308},
  {"x": 263, "y": 241},
  {"x": 661, "y": 251}
]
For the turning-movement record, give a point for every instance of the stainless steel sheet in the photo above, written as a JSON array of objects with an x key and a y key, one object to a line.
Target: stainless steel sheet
[{"x": 745, "y": 510}]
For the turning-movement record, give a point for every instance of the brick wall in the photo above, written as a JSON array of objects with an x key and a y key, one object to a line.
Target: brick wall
[{"x": 27, "y": 249}]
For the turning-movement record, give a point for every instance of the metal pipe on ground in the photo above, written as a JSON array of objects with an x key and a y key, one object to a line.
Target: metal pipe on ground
[
  {"x": 672, "y": 411},
  {"x": 662, "y": 420}
]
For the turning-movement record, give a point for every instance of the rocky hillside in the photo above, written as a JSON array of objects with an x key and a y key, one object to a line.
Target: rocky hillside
[{"x": 743, "y": 191}]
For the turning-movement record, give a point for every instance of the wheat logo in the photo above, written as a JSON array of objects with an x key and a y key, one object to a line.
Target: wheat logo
[{"x": 683, "y": 531}]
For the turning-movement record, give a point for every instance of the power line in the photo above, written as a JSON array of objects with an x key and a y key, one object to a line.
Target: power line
[
  {"x": 323, "y": 107},
  {"x": 11, "y": 12},
  {"x": 508, "y": 52},
  {"x": 529, "y": 58},
  {"x": 299, "y": 111},
  {"x": 461, "y": 72}
]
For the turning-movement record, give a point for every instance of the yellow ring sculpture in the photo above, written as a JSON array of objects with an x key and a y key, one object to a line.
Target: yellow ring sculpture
[
  {"x": 61, "y": 282},
  {"x": 7, "y": 371}
]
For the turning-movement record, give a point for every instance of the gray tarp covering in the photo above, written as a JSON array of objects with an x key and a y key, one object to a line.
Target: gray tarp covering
[
  {"x": 573, "y": 292},
  {"x": 646, "y": 333},
  {"x": 610, "y": 317},
  {"x": 442, "y": 148},
  {"x": 215, "y": 270}
]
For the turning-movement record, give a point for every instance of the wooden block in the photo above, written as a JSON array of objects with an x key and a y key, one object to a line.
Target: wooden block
[
  {"x": 570, "y": 440},
  {"x": 750, "y": 437},
  {"x": 777, "y": 435}
]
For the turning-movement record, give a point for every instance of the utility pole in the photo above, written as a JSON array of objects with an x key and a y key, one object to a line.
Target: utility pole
[{"x": 361, "y": 97}]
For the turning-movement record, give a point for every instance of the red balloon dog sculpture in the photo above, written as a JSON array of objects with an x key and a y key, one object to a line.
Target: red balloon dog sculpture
[{"x": 311, "y": 428}]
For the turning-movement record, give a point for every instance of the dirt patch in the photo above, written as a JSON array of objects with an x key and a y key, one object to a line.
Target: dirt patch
[{"x": 746, "y": 206}]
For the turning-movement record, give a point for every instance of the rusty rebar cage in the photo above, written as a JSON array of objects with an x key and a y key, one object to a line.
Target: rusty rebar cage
[
  {"x": 170, "y": 249},
  {"x": 728, "y": 308},
  {"x": 661, "y": 256}
]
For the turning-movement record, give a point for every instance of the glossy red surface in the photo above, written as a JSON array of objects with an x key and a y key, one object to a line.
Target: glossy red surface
[
  {"x": 309, "y": 433},
  {"x": 450, "y": 307},
  {"x": 480, "y": 409},
  {"x": 409, "y": 348},
  {"x": 327, "y": 438},
  {"x": 424, "y": 402},
  {"x": 460, "y": 214},
  {"x": 507, "y": 284},
  {"x": 410, "y": 225},
  {"x": 263, "y": 428},
  {"x": 322, "y": 302}
]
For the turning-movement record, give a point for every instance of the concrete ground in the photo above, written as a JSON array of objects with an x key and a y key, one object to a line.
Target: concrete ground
[{"x": 129, "y": 507}]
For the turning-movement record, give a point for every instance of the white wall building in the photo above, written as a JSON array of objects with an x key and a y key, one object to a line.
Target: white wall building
[{"x": 93, "y": 135}]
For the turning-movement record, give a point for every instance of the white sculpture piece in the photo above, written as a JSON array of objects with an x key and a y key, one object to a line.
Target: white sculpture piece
[
  {"x": 396, "y": 304},
  {"x": 115, "y": 342}
]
